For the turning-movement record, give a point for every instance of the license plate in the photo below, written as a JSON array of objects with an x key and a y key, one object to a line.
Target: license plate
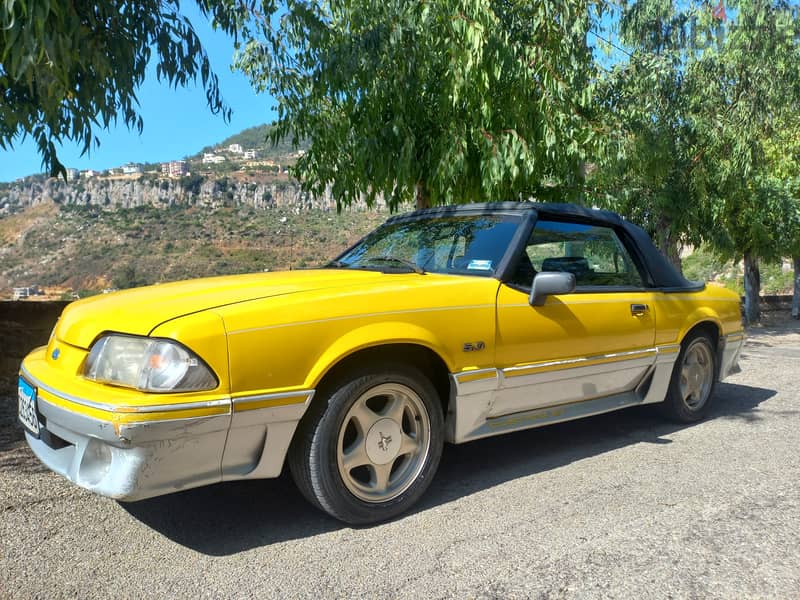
[{"x": 27, "y": 407}]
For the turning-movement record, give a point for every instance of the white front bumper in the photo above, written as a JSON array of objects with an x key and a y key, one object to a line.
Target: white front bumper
[{"x": 147, "y": 459}]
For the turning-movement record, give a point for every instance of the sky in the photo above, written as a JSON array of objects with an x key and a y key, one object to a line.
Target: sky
[{"x": 177, "y": 123}]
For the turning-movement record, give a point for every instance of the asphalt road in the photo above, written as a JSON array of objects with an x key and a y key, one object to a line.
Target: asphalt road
[{"x": 621, "y": 505}]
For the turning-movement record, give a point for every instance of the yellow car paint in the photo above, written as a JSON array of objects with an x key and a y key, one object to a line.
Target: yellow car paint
[
  {"x": 304, "y": 322},
  {"x": 271, "y": 339}
]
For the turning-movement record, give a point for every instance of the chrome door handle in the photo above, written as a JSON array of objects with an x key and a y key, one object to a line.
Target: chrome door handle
[{"x": 637, "y": 310}]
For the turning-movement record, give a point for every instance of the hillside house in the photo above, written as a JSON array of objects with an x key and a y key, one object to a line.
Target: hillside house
[
  {"x": 175, "y": 168},
  {"x": 131, "y": 169},
  {"x": 209, "y": 158},
  {"x": 22, "y": 293}
]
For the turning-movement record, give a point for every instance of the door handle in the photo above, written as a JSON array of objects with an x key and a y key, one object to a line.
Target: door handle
[{"x": 637, "y": 310}]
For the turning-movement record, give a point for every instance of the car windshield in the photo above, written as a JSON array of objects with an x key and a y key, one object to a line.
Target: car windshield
[{"x": 464, "y": 245}]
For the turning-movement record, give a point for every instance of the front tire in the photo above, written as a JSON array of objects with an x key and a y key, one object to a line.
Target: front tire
[
  {"x": 367, "y": 450},
  {"x": 691, "y": 388}
]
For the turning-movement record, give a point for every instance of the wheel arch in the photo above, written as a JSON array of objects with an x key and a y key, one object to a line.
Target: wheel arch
[
  {"x": 709, "y": 326},
  {"x": 714, "y": 331},
  {"x": 702, "y": 318},
  {"x": 415, "y": 354},
  {"x": 314, "y": 453}
]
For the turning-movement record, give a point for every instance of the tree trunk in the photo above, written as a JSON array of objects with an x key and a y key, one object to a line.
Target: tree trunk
[
  {"x": 423, "y": 195},
  {"x": 752, "y": 287},
  {"x": 796, "y": 296},
  {"x": 668, "y": 244}
]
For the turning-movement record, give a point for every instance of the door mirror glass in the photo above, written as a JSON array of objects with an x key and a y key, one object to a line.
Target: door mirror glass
[{"x": 550, "y": 283}]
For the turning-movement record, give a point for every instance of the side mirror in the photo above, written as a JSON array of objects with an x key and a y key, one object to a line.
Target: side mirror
[{"x": 548, "y": 283}]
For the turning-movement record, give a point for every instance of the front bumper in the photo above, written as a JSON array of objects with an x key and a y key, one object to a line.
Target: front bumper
[
  {"x": 130, "y": 461},
  {"x": 131, "y": 452}
]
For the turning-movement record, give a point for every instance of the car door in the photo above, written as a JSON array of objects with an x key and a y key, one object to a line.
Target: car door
[{"x": 595, "y": 342}]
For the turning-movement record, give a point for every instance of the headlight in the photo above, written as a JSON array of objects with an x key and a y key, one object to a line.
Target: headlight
[{"x": 148, "y": 364}]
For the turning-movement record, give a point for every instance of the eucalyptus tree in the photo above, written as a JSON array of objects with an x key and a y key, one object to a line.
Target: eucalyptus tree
[
  {"x": 741, "y": 94},
  {"x": 69, "y": 68},
  {"x": 437, "y": 102}
]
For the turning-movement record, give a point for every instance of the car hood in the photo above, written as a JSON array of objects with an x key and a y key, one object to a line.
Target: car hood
[{"x": 139, "y": 311}]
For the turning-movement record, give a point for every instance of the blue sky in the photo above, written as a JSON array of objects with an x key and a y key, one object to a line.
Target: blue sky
[{"x": 176, "y": 122}]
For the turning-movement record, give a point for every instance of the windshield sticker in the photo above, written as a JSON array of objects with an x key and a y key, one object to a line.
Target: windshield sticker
[{"x": 480, "y": 265}]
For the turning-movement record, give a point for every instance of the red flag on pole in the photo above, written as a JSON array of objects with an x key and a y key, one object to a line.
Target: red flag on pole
[{"x": 718, "y": 12}]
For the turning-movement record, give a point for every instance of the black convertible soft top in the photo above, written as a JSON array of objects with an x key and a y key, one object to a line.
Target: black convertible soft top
[{"x": 663, "y": 274}]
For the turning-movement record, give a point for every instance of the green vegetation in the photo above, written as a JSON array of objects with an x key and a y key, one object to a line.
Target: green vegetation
[
  {"x": 686, "y": 124},
  {"x": 706, "y": 265},
  {"x": 462, "y": 100},
  {"x": 441, "y": 102},
  {"x": 89, "y": 249},
  {"x": 647, "y": 98},
  {"x": 699, "y": 102},
  {"x": 191, "y": 183},
  {"x": 754, "y": 75}
]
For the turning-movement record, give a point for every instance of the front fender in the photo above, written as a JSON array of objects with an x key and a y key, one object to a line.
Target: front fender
[{"x": 372, "y": 336}]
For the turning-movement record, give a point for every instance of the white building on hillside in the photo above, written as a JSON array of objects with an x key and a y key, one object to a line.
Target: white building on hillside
[
  {"x": 21, "y": 293},
  {"x": 131, "y": 168},
  {"x": 209, "y": 158},
  {"x": 175, "y": 168}
]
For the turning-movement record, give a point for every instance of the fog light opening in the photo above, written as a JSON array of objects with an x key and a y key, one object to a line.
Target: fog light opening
[{"x": 96, "y": 462}]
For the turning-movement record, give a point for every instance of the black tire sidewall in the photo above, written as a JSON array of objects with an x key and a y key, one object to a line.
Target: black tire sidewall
[{"x": 326, "y": 481}]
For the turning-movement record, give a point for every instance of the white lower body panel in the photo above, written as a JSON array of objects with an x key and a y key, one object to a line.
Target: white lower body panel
[{"x": 496, "y": 401}]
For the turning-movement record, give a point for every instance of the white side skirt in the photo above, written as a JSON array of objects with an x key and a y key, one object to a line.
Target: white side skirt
[{"x": 495, "y": 401}]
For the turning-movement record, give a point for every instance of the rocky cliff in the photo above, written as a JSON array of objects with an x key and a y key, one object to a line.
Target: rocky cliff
[{"x": 148, "y": 190}]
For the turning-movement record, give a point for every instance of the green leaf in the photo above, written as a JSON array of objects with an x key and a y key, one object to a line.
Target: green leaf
[{"x": 66, "y": 67}]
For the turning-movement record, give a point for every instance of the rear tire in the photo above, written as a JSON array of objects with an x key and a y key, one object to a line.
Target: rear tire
[
  {"x": 693, "y": 380},
  {"x": 367, "y": 450}
]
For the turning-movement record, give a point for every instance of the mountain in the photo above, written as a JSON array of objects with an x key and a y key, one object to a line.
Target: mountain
[
  {"x": 122, "y": 228},
  {"x": 83, "y": 249},
  {"x": 255, "y": 138}
]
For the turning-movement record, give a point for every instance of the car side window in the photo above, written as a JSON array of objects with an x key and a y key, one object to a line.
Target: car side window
[{"x": 593, "y": 253}]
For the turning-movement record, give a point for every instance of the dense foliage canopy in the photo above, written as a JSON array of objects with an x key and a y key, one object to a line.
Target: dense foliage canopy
[
  {"x": 447, "y": 101},
  {"x": 645, "y": 95},
  {"x": 700, "y": 100},
  {"x": 67, "y": 68}
]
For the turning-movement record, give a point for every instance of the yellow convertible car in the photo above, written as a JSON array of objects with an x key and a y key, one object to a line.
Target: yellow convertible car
[{"x": 443, "y": 325}]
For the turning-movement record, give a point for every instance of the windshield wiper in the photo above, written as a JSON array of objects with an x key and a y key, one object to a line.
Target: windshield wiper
[
  {"x": 397, "y": 261},
  {"x": 337, "y": 264}
]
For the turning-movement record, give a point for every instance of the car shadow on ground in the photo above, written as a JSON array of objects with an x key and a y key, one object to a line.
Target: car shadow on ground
[{"x": 232, "y": 517}]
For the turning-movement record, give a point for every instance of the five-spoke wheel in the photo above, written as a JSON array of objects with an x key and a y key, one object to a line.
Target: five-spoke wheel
[
  {"x": 692, "y": 384},
  {"x": 367, "y": 450},
  {"x": 697, "y": 374},
  {"x": 383, "y": 442}
]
